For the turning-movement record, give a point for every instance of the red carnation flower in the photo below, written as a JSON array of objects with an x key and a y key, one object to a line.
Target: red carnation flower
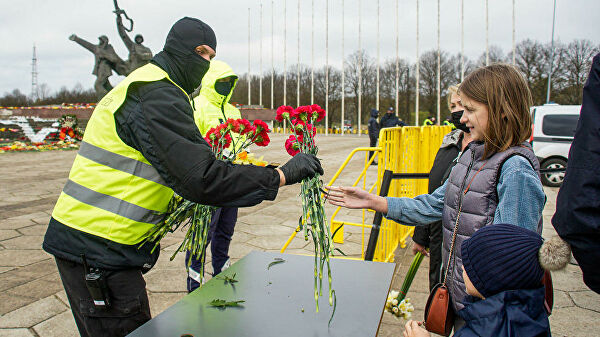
[
  {"x": 299, "y": 126},
  {"x": 292, "y": 145},
  {"x": 262, "y": 139},
  {"x": 284, "y": 112},
  {"x": 318, "y": 113},
  {"x": 233, "y": 125},
  {"x": 302, "y": 112},
  {"x": 245, "y": 126},
  {"x": 260, "y": 126}
]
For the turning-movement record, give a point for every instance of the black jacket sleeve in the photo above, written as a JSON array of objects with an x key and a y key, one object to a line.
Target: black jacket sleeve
[
  {"x": 577, "y": 217},
  {"x": 421, "y": 235},
  {"x": 157, "y": 120}
]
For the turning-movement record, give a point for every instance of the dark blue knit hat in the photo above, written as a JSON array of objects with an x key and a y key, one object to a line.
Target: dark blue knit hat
[{"x": 502, "y": 257}]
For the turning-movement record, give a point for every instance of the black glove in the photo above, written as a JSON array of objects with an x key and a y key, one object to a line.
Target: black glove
[{"x": 299, "y": 167}]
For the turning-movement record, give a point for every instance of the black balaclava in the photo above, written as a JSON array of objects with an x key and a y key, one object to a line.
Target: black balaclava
[
  {"x": 455, "y": 119},
  {"x": 179, "y": 58},
  {"x": 224, "y": 87}
]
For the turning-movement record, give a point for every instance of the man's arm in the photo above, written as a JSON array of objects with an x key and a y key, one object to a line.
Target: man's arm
[
  {"x": 123, "y": 33},
  {"x": 161, "y": 126},
  {"x": 85, "y": 44}
]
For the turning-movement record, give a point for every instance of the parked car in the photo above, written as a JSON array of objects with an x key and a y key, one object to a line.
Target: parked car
[{"x": 553, "y": 132}]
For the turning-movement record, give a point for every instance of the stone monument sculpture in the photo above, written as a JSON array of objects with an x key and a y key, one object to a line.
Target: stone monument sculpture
[
  {"x": 106, "y": 61},
  {"x": 138, "y": 53}
]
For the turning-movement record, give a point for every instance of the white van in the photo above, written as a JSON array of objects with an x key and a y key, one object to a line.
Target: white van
[{"x": 553, "y": 131}]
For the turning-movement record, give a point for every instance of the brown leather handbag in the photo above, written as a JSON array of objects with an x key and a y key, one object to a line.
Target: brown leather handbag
[{"x": 439, "y": 315}]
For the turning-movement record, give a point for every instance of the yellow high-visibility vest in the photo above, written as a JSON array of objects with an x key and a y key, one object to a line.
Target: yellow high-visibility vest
[{"x": 113, "y": 192}]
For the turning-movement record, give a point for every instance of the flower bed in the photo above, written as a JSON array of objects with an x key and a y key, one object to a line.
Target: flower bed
[{"x": 38, "y": 147}]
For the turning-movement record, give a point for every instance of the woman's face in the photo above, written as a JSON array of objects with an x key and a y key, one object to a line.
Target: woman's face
[
  {"x": 455, "y": 103},
  {"x": 475, "y": 117}
]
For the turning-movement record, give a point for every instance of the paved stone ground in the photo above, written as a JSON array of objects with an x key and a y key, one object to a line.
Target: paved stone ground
[{"x": 32, "y": 302}]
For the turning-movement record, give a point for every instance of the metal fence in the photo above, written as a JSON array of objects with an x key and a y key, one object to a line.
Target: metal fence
[{"x": 403, "y": 151}]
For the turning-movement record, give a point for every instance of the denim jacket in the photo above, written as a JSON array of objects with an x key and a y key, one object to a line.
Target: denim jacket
[{"x": 520, "y": 193}]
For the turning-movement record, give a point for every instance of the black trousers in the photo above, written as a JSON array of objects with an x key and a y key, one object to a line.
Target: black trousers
[
  {"x": 372, "y": 143},
  {"x": 129, "y": 307},
  {"x": 435, "y": 254}
]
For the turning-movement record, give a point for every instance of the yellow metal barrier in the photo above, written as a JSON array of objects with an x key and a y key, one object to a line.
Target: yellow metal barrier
[{"x": 401, "y": 150}]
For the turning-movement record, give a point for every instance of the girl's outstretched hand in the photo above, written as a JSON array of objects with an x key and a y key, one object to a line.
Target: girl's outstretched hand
[{"x": 354, "y": 197}]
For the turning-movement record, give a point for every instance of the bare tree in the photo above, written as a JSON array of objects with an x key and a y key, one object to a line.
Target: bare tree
[
  {"x": 576, "y": 66},
  {"x": 360, "y": 59}
]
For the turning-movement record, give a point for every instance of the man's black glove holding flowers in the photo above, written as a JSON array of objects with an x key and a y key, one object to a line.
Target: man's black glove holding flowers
[{"x": 301, "y": 166}]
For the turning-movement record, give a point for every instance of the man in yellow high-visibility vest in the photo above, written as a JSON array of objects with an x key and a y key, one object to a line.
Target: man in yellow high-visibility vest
[
  {"x": 213, "y": 108},
  {"x": 140, "y": 146}
]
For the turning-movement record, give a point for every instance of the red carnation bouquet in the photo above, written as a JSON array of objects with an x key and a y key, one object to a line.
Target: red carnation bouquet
[
  {"x": 227, "y": 140},
  {"x": 314, "y": 220}
]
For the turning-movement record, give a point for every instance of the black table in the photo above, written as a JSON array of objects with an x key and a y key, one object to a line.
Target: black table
[{"x": 275, "y": 299}]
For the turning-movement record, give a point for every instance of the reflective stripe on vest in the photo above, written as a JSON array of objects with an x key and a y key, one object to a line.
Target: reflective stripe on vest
[
  {"x": 119, "y": 162},
  {"x": 111, "y": 204},
  {"x": 113, "y": 191}
]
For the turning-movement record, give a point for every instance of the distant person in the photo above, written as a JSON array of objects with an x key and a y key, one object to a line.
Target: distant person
[
  {"x": 429, "y": 121},
  {"x": 107, "y": 60},
  {"x": 428, "y": 239},
  {"x": 577, "y": 217},
  {"x": 390, "y": 120},
  {"x": 447, "y": 122},
  {"x": 373, "y": 131}
]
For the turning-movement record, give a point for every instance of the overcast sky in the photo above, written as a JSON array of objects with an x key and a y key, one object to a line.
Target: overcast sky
[{"x": 61, "y": 62}]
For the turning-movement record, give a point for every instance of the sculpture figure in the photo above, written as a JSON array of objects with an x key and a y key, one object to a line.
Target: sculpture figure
[
  {"x": 138, "y": 53},
  {"x": 106, "y": 61}
]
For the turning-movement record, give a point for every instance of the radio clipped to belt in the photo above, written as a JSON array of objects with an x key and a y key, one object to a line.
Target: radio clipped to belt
[{"x": 95, "y": 281}]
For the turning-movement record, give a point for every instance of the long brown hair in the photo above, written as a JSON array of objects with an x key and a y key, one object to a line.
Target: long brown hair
[{"x": 502, "y": 88}]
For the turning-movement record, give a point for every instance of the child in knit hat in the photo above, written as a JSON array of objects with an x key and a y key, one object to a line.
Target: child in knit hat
[{"x": 503, "y": 267}]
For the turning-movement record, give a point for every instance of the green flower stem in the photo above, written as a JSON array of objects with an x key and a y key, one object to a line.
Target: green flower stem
[{"x": 410, "y": 275}]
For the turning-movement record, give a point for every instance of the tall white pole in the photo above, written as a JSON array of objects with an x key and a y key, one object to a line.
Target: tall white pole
[
  {"x": 551, "y": 55},
  {"x": 514, "y": 50},
  {"x": 284, "y": 57},
  {"x": 397, "y": 59},
  {"x": 360, "y": 60},
  {"x": 249, "y": 76},
  {"x": 377, "y": 94},
  {"x": 260, "y": 87},
  {"x": 298, "y": 61},
  {"x": 327, "y": 66},
  {"x": 487, "y": 37},
  {"x": 272, "y": 48},
  {"x": 417, "y": 74},
  {"x": 343, "y": 74},
  {"x": 462, "y": 40},
  {"x": 438, "y": 64},
  {"x": 312, "y": 56}
]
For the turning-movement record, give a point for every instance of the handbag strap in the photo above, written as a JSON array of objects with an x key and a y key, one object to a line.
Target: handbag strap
[{"x": 456, "y": 225}]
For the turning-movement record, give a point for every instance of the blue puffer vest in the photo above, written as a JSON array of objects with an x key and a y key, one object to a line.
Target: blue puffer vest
[{"x": 480, "y": 176}]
